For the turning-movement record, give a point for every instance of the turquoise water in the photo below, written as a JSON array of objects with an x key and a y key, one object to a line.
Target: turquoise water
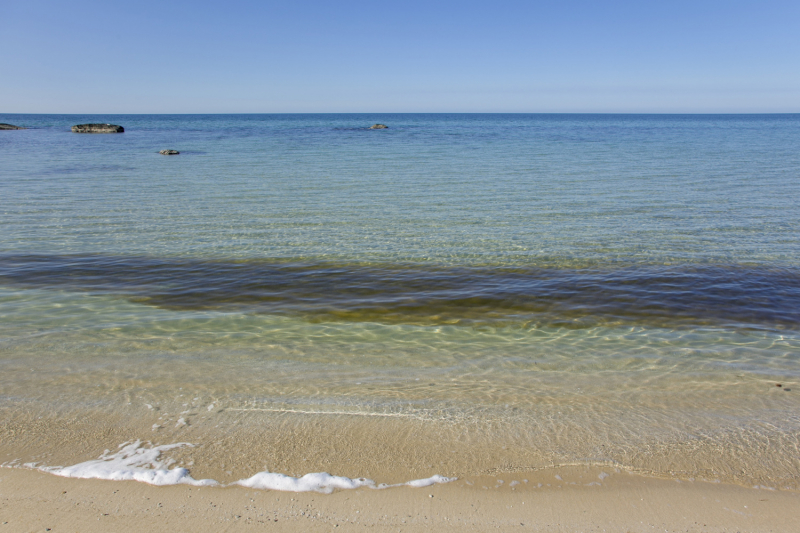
[
  {"x": 556, "y": 288},
  {"x": 454, "y": 189}
]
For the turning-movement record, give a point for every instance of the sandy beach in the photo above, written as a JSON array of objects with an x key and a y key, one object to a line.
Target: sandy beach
[
  {"x": 580, "y": 497},
  {"x": 580, "y": 501}
]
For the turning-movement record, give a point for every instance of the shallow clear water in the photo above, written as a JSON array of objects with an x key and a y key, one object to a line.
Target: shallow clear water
[{"x": 551, "y": 288}]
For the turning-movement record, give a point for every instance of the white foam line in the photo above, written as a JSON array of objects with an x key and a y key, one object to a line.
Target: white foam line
[
  {"x": 353, "y": 413},
  {"x": 326, "y": 483},
  {"x": 131, "y": 462},
  {"x": 136, "y": 463}
]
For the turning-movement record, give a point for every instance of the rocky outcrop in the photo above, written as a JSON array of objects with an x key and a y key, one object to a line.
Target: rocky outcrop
[
  {"x": 10, "y": 127},
  {"x": 169, "y": 152},
  {"x": 97, "y": 128},
  {"x": 379, "y": 127}
]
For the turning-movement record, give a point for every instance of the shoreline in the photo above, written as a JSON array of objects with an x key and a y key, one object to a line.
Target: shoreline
[
  {"x": 228, "y": 446},
  {"x": 579, "y": 501}
]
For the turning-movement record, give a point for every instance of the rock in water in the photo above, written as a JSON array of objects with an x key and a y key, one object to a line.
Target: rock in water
[
  {"x": 97, "y": 128},
  {"x": 169, "y": 152},
  {"x": 379, "y": 127},
  {"x": 10, "y": 127}
]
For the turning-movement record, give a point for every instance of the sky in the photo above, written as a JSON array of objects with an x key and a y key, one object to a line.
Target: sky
[{"x": 242, "y": 56}]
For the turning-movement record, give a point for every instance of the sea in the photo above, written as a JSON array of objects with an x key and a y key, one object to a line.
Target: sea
[{"x": 454, "y": 295}]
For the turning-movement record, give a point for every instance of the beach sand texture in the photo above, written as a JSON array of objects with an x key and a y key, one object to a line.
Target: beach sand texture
[{"x": 32, "y": 501}]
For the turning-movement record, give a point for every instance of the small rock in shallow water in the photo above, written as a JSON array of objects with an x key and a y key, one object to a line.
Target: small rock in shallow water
[
  {"x": 379, "y": 127},
  {"x": 169, "y": 152},
  {"x": 4, "y": 126},
  {"x": 97, "y": 128}
]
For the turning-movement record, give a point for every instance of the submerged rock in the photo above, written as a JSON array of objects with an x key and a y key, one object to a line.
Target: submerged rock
[
  {"x": 169, "y": 152},
  {"x": 97, "y": 128},
  {"x": 4, "y": 126},
  {"x": 379, "y": 127}
]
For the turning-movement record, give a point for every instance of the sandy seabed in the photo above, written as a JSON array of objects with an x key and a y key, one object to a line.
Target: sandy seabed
[{"x": 581, "y": 500}]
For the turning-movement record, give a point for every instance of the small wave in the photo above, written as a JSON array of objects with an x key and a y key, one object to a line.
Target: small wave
[
  {"x": 135, "y": 462},
  {"x": 132, "y": 462}
]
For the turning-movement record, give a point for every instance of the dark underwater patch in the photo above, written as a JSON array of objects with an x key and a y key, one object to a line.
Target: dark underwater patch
[{"x": 719, "y": 295}]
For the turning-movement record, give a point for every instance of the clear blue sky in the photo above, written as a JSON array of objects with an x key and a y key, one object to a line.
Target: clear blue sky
[{"x": 244, "y": 56}]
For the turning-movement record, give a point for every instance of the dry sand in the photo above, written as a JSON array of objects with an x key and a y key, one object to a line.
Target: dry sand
[{"x": 584, "y": 499}]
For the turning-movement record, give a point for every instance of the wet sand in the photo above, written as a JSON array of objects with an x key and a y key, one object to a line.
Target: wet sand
[{"x": 580, "y": 501}]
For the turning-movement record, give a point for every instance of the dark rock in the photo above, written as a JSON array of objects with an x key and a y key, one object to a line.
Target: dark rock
[
  {"x": 379, "y": 127},
  {"x": 169, "y": 152},
  {"x": 10, "y": 127},
  {"x": 97, "y": 128}
]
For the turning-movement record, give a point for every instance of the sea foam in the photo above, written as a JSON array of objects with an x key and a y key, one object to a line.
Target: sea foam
[
  {"x": 134, "y": 462},
  {"x": 131, "y": 463}
]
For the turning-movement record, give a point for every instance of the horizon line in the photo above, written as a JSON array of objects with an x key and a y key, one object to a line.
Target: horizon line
[{"x": 424, "y": 113}]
